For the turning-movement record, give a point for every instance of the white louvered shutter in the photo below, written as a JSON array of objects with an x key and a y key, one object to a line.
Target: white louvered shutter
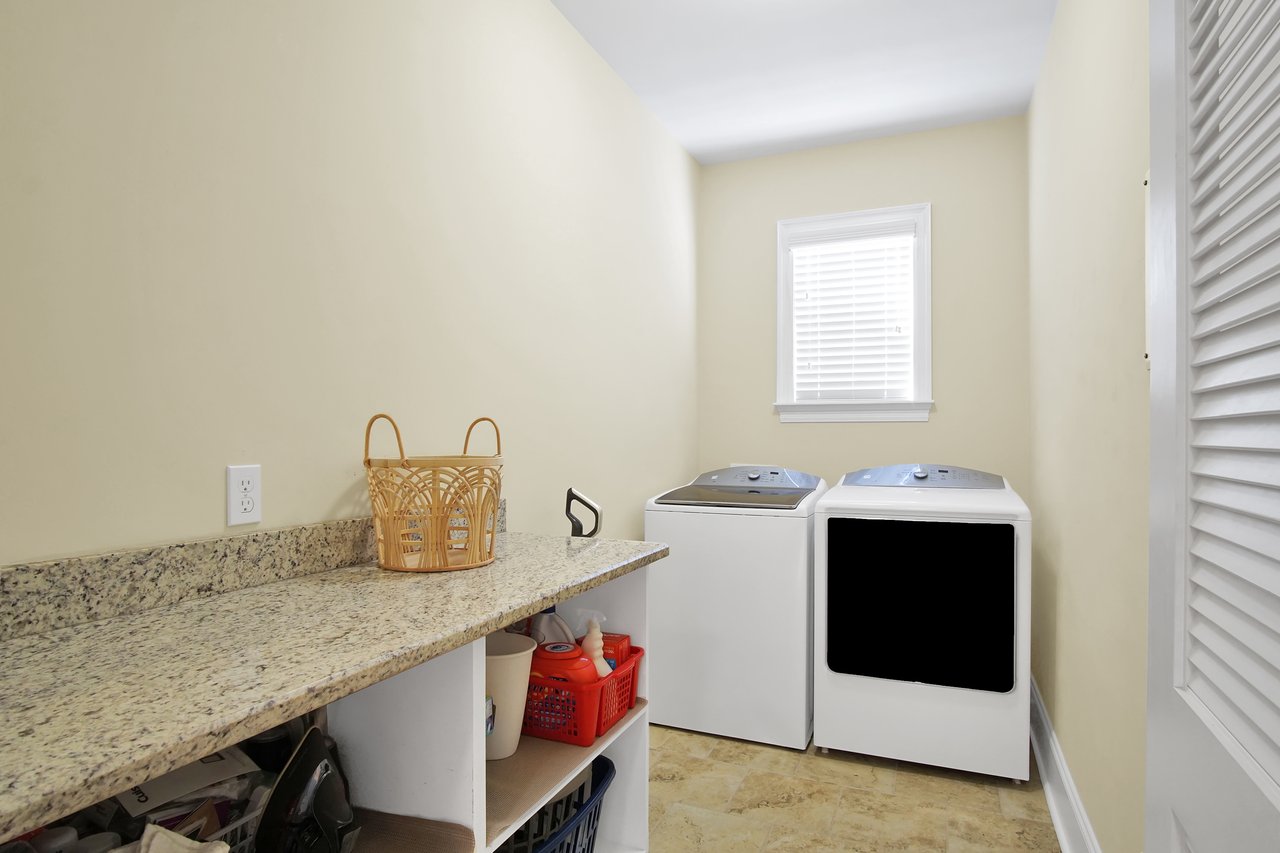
[
  {"x": 1232, "y": 640},
  {"x": 852, "y": 308}
]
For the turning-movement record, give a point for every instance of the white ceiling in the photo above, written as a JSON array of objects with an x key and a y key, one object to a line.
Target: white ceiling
[{"x": 733, "y": 79}]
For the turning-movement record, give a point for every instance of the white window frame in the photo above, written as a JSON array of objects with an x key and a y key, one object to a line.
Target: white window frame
[{"x": 845, "y": 226}]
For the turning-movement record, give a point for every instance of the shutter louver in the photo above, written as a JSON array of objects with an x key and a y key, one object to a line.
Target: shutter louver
[
  {"x": 1232, "y": 640},
  {"x": 852, "y": 307}
]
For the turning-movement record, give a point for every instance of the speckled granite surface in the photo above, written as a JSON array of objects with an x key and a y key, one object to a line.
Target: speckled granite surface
[
  {"x": 37, "y": 597},
  {"x": 90, "y": 710}
]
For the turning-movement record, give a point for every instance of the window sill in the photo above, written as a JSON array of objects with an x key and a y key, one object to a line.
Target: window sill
[{"x": 848, "y": 412}]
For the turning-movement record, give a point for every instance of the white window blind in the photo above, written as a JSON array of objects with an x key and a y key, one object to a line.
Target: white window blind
[
  {"x": 1231, "y": 645},
  {"x": 853, "y": 305},
  {"x": 853, "y": 316}
]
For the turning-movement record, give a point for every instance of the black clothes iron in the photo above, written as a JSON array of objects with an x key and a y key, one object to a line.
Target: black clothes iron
[
  {"x": 308, "y": 810},
  {"x": 575, "y": 523}
]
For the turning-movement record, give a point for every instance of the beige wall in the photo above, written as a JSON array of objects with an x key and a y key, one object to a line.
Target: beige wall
[
  {"x": 230, "y": 232},
  {"x": 1088, "y": 156},
  {"x": 975, "y": 177}
]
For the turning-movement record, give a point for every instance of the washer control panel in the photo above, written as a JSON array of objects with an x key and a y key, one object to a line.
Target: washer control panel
[
  {"x": 763, "y": 475},
  {"x": 924, "y": 477},
  {"x": 747, "y": 486}
]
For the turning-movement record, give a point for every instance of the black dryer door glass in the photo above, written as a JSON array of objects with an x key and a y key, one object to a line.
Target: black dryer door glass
[{"x": 922, "y": 601}]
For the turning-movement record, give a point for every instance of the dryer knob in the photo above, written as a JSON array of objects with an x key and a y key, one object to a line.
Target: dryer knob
[
  {"x": 753, "y": 475},
  {"x": 920, "y": 473}
]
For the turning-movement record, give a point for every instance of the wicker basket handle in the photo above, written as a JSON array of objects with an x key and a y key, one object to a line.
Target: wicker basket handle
[
  {"x": 400, "y": 444},
  {"x": 496, "y": 434}
]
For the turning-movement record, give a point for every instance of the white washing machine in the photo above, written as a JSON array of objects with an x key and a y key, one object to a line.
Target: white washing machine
[
  {"x": 730, "y": 610},
  {"x": 922, "y": 618}
]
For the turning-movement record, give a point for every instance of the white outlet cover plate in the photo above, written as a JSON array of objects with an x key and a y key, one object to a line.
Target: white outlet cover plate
[{"x": 244, "y": 494}]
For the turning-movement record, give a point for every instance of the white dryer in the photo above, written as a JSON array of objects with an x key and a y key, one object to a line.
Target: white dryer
[
  {"x": 922, "y": 618},
  {"x": 730, "y": 610}
]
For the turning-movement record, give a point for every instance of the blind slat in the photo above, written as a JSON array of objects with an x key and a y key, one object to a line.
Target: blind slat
[
  {"x": 1250, "y": 194},
  {"x": 1213, "y": 139},
  {"x": 1258, "y": 366},
  {"x": 1256, "y": 601},
  {"x": 1238, "y": 340},
  {"x": 1210, "y": 173},
  {"x": 1250, "y": 669},
  {"x": 1234, "y": 402},
  {"x": 1252, "y": 534},
  {"x": 1252, "y": 239},
  {"x": 1243, "y": 467},
  {"x": 1259, "y": 505},
  {"x": 1247, "y": 51},
  {"x": 1206, "y": 33},
  {"x": 1257, "y": 433},
  {"x": 1247, "y": 631},
  {"x": 1232, "y": 681},
  {"x": 1252, "y": 291},
  {"x": 1239, "y": 562}
]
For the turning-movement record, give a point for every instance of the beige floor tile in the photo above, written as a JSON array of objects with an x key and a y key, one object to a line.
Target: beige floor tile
[
  {"x": 786, "y": 839},
  {"x": 849, "y": 769},
  {"x": 675, "y": 777},
  {"x": 948, "y": 789},
  {"x": 689, "y": 828},
  {"x": 658, "y": 736},
  {"x": 786, "y": 800},
  {"x": 1025, "y": 802},
  {"x": 890, "y": 822},
  {"x": 690, "y": 743},
  {"x": 973, "y": 832},
  {"x": 757, "y": 756}
]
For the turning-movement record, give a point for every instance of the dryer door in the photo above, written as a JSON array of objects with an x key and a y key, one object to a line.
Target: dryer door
[{"x": 932, "y": 602}]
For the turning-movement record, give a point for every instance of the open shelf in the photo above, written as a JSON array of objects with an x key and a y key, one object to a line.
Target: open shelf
[
  {"x": 414, "y": 745},
  {"x": 386, "y": 833},
  {"x": 520, "y": 785}
]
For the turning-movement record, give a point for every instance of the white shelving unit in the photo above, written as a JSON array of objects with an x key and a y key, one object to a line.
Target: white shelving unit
[{"x": 414, "y": 744}]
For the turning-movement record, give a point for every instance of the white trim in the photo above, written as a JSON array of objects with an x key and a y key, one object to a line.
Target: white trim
[
  {"x": 924, "y": 300},
  {"x": 1075, "y": 833},
  {"x": 853, "y": 412},
  {"x": 913, "y": 218}
]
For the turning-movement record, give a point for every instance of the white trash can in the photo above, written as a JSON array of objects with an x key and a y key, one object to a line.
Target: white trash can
[{"x": 506, "y": 681}]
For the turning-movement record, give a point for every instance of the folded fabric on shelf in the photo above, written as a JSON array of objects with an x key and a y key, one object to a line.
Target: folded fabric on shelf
[{"x": 156, "y": 839}]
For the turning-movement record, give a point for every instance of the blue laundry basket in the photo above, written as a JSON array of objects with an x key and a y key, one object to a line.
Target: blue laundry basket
[{"x": 578, "y": 834}]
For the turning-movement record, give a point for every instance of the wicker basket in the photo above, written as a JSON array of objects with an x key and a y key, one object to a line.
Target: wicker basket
[{"x": 434, "y": 513}]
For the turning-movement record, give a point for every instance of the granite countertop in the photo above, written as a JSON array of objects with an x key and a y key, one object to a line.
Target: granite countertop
[{"x": 91, "y": 710}]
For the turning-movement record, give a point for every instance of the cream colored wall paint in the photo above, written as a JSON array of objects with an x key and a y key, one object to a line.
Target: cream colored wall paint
[
  {"x": 975, "y": 177},
  {"x": 231, "y": 232},
  {"x": 1088, "y": 156}
]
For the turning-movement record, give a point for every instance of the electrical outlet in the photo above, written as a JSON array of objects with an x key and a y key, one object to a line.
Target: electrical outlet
[{"x": 244, "y": 494}]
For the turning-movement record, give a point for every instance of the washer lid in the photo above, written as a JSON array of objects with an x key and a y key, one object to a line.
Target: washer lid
[
  {"x": 745, "y": 486},
  {"x": 924, "y": 477}
]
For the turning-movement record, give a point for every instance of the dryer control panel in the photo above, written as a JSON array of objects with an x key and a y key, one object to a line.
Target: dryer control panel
[{"x": 924, "y": 477}]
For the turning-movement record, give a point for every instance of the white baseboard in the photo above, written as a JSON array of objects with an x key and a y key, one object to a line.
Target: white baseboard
[{"x": 1075, "y": 833}]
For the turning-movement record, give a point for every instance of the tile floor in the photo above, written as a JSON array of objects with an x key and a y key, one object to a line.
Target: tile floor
[{"x": 715, "y": 794}]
